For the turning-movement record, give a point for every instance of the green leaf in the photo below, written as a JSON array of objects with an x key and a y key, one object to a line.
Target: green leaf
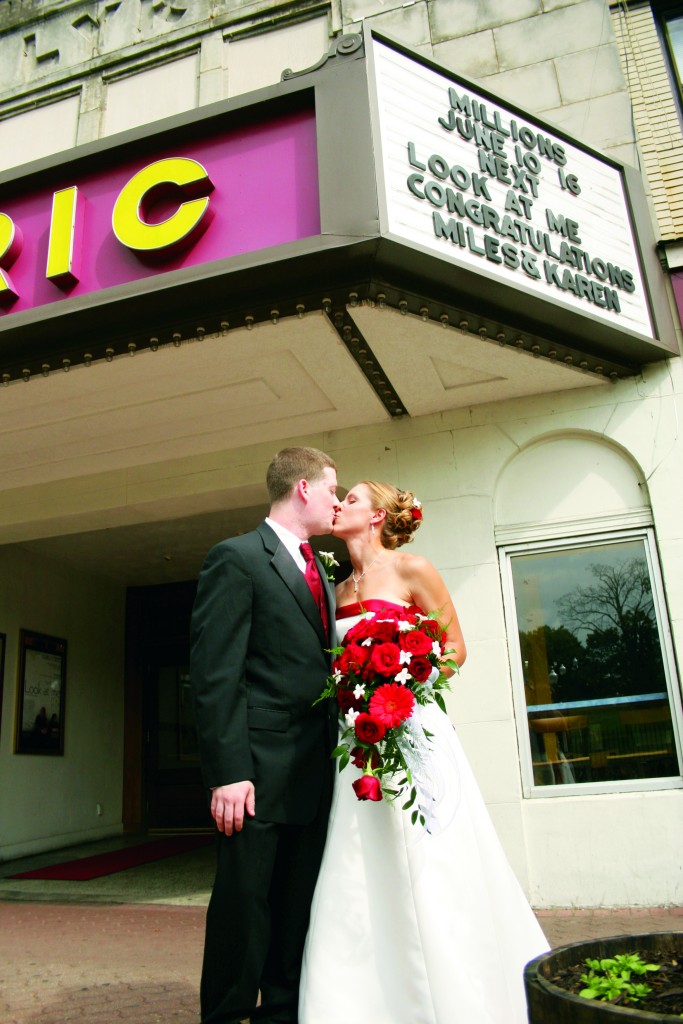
[
  {"x": 440, "y": 701},
  {"x": 413, "y": 816},
  {"x": 413, "y": 795},
  {"x": 344, "y": 760}
]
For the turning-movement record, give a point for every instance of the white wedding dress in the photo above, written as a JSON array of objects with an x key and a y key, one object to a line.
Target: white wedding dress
[{"x": 416, "y": 928}]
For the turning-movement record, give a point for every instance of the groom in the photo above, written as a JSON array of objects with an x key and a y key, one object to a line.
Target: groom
[{"x": 259, "y": 660}]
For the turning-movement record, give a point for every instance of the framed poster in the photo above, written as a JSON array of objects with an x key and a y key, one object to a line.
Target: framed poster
[{"x": 42, "y": 683}]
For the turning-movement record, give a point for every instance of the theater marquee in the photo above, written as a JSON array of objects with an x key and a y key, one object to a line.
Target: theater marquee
[
  {"x": 482, "y": 187},
  {"x": 374, "y": 176}
]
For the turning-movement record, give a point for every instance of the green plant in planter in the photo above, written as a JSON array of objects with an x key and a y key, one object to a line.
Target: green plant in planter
[{"x": 610, "y": 979}]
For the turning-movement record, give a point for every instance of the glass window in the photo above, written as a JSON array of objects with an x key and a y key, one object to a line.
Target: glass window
[
  {"x": 593, "y": 666},
  {"x": 671, "y": 21}
]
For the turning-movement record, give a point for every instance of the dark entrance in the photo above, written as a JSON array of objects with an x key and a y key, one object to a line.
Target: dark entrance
[{"x": 162, "y": 782}]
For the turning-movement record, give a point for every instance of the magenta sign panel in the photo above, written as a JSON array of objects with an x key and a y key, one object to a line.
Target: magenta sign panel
[{"x": 234, "y": 192}]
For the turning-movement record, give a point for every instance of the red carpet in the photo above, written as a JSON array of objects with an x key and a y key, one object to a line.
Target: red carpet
[{"x": 85, "y": 868}]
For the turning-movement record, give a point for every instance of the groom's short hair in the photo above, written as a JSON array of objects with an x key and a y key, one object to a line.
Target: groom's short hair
[{"x": 291, "y": 465}]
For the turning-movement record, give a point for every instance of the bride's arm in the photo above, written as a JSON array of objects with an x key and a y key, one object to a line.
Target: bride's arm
[{"x": 428, "y": 591}]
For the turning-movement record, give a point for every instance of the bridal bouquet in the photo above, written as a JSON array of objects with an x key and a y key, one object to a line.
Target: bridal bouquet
[{"x": 388, "y": 662}]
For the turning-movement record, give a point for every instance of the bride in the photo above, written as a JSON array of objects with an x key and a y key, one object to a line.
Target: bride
[{"x": 409, "y": 926}]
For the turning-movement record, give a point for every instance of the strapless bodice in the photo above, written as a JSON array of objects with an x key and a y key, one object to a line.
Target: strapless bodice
[{"x": 346, "y": 611}]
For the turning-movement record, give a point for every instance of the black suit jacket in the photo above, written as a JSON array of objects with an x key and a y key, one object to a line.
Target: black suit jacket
[{"x": 259, "y": 660}]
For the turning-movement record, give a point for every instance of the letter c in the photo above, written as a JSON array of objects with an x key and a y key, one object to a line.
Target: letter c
[{"x": 182, "y": 228}]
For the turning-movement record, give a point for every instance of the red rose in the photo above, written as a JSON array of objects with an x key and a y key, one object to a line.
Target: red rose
[
  {"x": 353, "y": 658},
  {"x": 416, "y": 513},
  {"x": 420, "y": 669},
  {"x": 384, "y": 630},
  {"x": 387, "y": 611},
  {"x": 361, "y": 631},
  {"x": 368, "y": 673},
  {"x": 346, "y": 701},
  {"x": 433, "y": 628},
  {"x": 417, "y": 642},
  {"x": 368, "y": 729},
  {"x": 361, "y": 757},
  {"x": 392, "y": 704},
  {"x": 368, "y": 787},
  {"x": 385, "y": 659}
]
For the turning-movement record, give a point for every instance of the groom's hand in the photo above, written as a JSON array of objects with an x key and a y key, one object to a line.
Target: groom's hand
[{"x": 229, "y": 804}]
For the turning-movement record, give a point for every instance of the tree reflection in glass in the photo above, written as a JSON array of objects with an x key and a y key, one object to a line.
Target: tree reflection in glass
[{"x": 594, "y": 678}]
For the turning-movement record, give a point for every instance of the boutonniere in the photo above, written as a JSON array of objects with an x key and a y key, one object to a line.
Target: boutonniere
[{"x": 329, "y": 562}]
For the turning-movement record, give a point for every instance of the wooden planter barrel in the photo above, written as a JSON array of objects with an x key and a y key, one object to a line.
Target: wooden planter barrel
[{"x": 549, "y": 1004}]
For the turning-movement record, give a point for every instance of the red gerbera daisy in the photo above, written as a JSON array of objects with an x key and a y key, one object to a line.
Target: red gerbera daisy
[{"x": 391, "y": 704}]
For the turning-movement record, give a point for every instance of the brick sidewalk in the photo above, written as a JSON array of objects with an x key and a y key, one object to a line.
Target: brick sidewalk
[
  {"x": 576, "y": 925},
  {"x": 99, "y": 964},
  {"x": 81, "y": 963}
]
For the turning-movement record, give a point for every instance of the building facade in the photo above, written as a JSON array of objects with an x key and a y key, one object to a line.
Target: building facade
[{"x": 523, "y": 380}]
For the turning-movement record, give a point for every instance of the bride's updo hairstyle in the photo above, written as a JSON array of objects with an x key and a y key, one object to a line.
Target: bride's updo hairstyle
[{"x": 403, "y": 513}]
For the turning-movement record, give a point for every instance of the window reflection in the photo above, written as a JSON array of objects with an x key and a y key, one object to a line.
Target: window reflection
[
  {"x": 594, "y": 679},
  {"x": 674, "y": 35}
]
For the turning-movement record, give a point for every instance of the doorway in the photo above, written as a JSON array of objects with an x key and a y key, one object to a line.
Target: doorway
[{"x": 163, "y": 789}]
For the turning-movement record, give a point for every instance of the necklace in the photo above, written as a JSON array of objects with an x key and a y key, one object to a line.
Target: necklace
[{"x": 357, "y": 579}]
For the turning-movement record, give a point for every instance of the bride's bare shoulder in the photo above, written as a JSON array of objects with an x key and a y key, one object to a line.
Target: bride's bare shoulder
[{"x": 410, "y": 566}]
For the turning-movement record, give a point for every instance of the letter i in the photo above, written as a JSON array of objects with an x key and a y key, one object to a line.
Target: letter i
[{"x": 66, "y": 230}]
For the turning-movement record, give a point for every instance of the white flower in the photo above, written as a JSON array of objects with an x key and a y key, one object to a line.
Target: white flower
[
  {"x": 404, "y": 626},
  {"x": 403, "y": 676},
  {"x": 436, "y": 649},
  {"x": 366, "y": 643},
  {"x": 337, "y": 676},
  {"x": 404, "y": 658},
  {"x": 327, "y": 558},
  {"x": 329, "y": 562},
  {"x": 359, "y": 691},
  {"x": 416, "y": 503},
  {"x": 350, "y": 717}
]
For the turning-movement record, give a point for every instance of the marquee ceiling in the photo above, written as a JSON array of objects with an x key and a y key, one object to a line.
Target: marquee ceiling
[{"x": 290, "y": 379}]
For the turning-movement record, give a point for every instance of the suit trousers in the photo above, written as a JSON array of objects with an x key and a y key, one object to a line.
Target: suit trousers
[{"x": 257, "y": 920}]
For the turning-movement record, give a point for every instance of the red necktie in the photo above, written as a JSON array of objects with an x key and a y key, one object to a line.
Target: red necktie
[{"x": 315, "y": 584}]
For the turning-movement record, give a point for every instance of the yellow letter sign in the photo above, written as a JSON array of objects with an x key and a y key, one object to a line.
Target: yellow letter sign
[
  {"x": 10, "y": 247},
  {"x": 179, "y": 230},
  {"x": 64, "y": 246}
]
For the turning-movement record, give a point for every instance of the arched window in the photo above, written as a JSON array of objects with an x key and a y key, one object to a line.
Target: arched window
[{"x": 596, "y": 695}]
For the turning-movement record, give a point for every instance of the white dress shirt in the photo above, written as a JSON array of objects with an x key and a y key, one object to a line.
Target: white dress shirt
[{"x": 290, "y": 541}]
